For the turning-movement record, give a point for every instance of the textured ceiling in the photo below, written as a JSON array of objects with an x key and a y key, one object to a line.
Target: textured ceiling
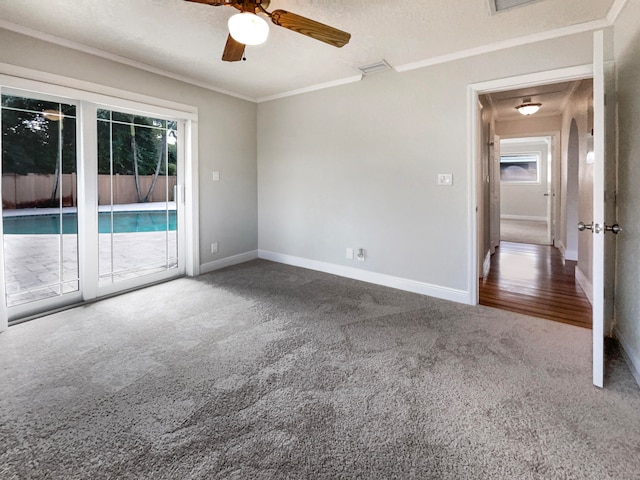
[{"x": 187, "y": 39}]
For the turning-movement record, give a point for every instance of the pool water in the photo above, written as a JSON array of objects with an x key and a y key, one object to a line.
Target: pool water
[{"x": 123, "y": 222}]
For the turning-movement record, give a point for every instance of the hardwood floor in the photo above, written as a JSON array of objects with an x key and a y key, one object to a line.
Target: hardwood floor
[{"x": 537, "y": 281}]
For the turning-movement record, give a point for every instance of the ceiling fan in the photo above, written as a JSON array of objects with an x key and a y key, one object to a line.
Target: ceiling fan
[{"x": 234, "y": 49}]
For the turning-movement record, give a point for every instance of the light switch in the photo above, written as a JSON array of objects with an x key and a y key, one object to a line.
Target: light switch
[
  {"x": 445, "y": 179},
  {"x": 216, "y": 176}
]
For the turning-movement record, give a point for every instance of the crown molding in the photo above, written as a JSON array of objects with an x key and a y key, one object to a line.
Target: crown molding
[
  {"x": 312, "y": 88},
  {"x": 608, "y": 21},
  {"x": 504, "y": 44},
  {"x": 615, "y": 10}
]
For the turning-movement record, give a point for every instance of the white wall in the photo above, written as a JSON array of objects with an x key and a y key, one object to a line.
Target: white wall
[
  {"x": 529, "y": 126},
  {"x": 356, "y": 165},
  {"x": 227, "y": 133},
  {"x": 525, "y": 200},
  {"x": 580, "y": 109},
  {"x": 627, "y": 46}
]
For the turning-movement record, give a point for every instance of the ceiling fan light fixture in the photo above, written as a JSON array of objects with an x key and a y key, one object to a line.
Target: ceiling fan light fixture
[
  {"x": 248, "y": 28},
  {"x": 527, "y": 107}
]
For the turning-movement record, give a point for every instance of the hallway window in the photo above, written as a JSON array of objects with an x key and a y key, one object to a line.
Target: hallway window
[{"x": 520, "y": 168}]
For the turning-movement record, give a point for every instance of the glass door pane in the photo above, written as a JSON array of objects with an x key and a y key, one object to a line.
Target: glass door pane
[
  {"x": 39, "y": 199},
  {"x": 137, "y": 166}
]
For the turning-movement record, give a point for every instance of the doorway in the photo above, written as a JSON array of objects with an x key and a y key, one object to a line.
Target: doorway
[
  {"x": 525, "y": 179},
  {"x": 92, "y": 200},
  {"x": 527, "y": 273}
]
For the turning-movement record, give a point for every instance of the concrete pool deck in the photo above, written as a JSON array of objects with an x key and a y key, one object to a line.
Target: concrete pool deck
[{"x": 43, "y": 266}]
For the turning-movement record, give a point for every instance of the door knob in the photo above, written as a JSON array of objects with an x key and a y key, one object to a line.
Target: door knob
[
  {"x": 615, "y": 228},
  {"x": 582, "y": 227}
]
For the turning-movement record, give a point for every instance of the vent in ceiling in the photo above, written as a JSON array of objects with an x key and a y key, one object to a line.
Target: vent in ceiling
[
  {"x": 377, "y": 67},
  {"x": 498, "y": 6}
]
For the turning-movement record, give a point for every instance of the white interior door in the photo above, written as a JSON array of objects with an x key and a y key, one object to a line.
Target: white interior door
[
  {"x": 598, "y": 208},
  {"x": 604, "y": 186}
]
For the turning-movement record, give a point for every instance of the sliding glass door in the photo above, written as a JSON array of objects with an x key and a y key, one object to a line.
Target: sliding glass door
[
  {"x": 39, "y": 199},
  {"x": 137, "y": 213},
  {"x": 91, "y": 201}
]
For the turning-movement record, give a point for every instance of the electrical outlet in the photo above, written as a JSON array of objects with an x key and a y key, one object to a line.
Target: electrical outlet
[
  {"x": 360, "y": 255},
  {"x": 214, "y": 247},
  {"x": 349, "y": 253},
  {"x": 216, "y": 176}
]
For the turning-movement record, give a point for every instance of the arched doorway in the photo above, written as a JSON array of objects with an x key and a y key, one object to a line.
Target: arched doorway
[{"x": 573, "y": 165}]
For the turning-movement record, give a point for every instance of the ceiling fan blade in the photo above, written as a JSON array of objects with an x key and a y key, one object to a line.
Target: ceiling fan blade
[
  {"x": 233, "y": 50},
  {"x": 310, "y": 28}
]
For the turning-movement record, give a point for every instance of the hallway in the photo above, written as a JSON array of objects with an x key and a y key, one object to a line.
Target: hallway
[{"x": 535, "y": 280}]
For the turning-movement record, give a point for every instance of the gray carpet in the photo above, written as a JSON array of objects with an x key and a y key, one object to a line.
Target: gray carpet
[
  {"x": 524, "y": 231},
  {"x": 264, "y": 371}
]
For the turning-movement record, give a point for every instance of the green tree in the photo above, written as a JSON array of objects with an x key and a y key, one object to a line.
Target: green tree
[
  {"x": 31, "y": 142},
  {"x": 39, "y": 137},
  {"x": 135, "y": 145},
  {"x": 36, "y": 142}
]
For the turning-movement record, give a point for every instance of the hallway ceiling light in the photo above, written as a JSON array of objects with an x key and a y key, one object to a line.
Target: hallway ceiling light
[{"x": 528, "y": 108}]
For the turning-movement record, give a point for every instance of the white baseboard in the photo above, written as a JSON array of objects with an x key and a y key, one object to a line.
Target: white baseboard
[
  {"x": 228, "y": 261},
  {"x": 523, "y": 217},
  {"x": 585, "y": 284},
  {"x": 406, "y": 284},
  {"x": 632, "y": 360}
]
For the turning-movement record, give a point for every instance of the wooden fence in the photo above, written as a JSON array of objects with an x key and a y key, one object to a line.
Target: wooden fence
[
  {"x": 34, "y": 190},
  {"x": 124, "y": 189}
]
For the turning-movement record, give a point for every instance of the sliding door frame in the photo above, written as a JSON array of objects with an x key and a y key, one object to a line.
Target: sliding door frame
[
  {"x": 92, "y": 197},
  {"x": 89, "y": 97},
  {"x": 62, "y": 299}
]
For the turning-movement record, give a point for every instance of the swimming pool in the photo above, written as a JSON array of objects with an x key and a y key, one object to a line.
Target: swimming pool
[{"x": 123, "y": 222}]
